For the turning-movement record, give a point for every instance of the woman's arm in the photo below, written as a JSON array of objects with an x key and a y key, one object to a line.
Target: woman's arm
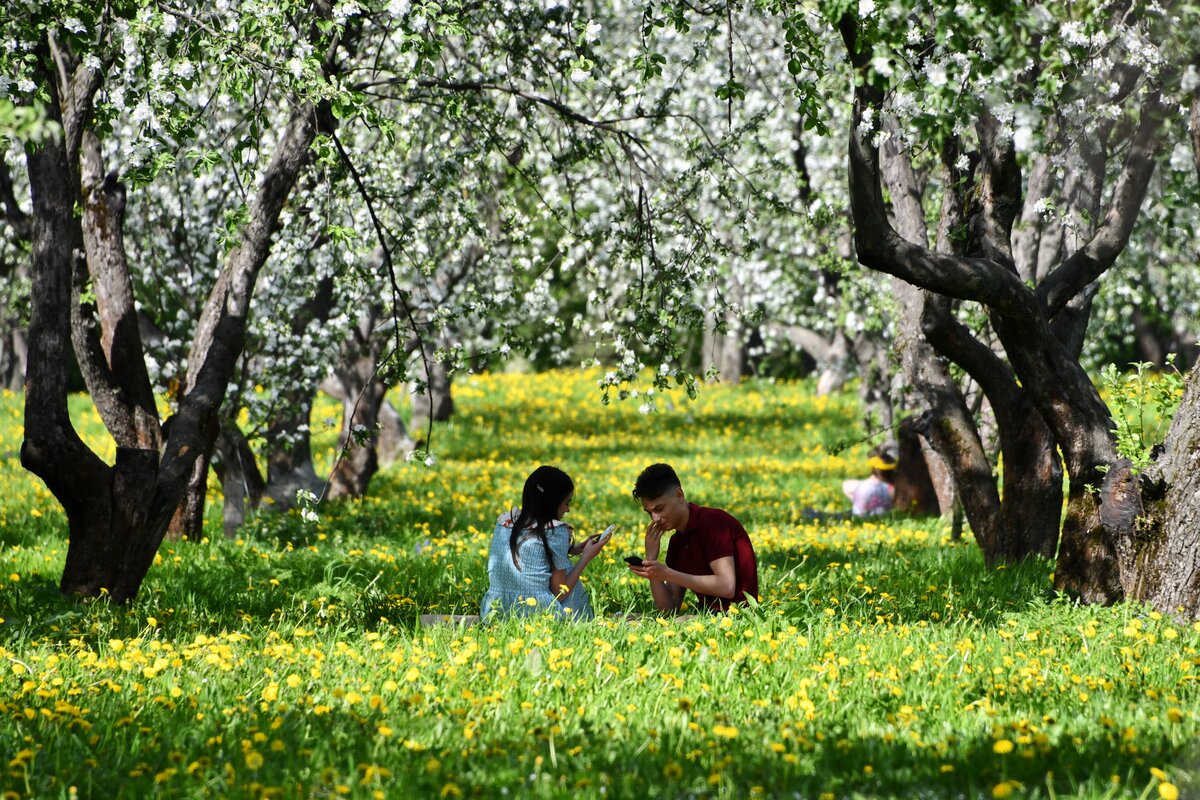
[{"x": 562, "y": 581}]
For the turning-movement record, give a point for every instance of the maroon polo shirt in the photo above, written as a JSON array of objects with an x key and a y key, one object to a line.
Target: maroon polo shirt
[{"x": 712, "y": 534}]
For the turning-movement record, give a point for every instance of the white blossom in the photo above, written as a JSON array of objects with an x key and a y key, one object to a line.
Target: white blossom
[{"x": 936, "y": 73}]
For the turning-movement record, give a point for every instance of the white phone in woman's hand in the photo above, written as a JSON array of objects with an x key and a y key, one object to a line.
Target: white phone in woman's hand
[{"x": 608, "y": 532}]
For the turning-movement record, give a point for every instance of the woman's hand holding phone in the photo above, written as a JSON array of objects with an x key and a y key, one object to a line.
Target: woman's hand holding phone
[{"x": 596, "y": 543}]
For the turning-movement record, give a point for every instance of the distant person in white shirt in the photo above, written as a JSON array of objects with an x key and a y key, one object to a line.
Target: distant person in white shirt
[{"x": 873, "y": 495}]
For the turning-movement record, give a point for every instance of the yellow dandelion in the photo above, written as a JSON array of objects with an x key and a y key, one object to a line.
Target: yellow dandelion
[
  {"x": 672, "y": 771},
  {"x": 1002, "y": 747},
  {"x": 1167, "y": 791},
  {"x": 725, "y": 731}
]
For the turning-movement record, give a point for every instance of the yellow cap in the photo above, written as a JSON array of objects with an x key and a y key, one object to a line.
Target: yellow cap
[{"x": 875, "y": 462}]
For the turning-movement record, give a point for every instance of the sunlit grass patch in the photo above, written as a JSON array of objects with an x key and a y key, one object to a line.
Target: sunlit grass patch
[{"x": 883, "y": 661}]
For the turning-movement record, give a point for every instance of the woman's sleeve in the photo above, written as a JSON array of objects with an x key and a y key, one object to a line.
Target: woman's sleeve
[{"x": 560, "y": 541}]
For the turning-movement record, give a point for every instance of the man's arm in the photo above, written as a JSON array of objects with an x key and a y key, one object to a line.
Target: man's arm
[
  {"x": 667, "y": 585},
  {"x": 667, "y": 596}
]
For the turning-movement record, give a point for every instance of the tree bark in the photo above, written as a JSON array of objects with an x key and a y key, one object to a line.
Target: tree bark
[
  {"x": 241, "y": 483},
  {"x": 1026, "y": 521},
  {"x": 831, "y": 354},
  {"x": 290, "y": 467},
  {"x": 1160, "y": 554},
  {"x": 394, "y": 441},
  {"x": 357, "y": 383},
  {"x": 914, "y": 490}
]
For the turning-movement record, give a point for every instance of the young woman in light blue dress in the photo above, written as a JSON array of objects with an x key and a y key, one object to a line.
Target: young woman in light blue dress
[{"x": 528, "y": 568}]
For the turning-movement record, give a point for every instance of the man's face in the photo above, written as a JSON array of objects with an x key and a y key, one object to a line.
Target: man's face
[{"x": 669, "y": 511}]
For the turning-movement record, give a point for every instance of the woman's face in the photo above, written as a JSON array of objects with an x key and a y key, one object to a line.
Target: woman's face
[{"x": 564, "y": 506}]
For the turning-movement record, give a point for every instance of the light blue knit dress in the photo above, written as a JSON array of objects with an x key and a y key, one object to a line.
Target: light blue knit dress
[{"x": 510, "y": 587}]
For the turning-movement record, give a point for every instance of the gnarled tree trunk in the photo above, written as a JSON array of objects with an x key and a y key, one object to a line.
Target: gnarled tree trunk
[
  {"x": 117, "y": 516},
  {"x": 1046, "y": 365}
]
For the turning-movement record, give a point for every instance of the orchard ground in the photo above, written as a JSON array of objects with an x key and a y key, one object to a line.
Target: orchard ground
[{"x": 884, "y": 660}]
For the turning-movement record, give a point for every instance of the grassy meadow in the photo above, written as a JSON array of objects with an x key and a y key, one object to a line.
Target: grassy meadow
[{"x": 883, "y": 661}]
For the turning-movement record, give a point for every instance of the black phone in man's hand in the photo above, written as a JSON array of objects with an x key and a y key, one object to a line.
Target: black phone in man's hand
[{"x": 633, "y": 561}]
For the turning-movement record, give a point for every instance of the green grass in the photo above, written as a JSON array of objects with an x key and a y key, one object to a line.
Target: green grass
[{"x": 883, "y": 661}]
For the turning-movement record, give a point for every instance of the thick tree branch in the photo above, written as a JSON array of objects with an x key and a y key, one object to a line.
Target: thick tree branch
[
  {"x": 115, "y": 366},
  {"x": 1094, "y": 258},
  {"x": 1000, "y": 191},
  {"x": 52, "y": 448},
  {"x": 221, "y": 332},
  {"x": 878, "y": 244}
]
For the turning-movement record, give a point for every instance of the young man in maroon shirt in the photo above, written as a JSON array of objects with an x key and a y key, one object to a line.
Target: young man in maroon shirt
[{"x": 710, "y": 552}]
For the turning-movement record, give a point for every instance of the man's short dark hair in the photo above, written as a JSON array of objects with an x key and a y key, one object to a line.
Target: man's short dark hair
[{"x": 655, "y": 481}]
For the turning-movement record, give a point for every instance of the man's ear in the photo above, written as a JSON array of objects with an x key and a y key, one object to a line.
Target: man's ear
[{"x": 679, "y": 492}]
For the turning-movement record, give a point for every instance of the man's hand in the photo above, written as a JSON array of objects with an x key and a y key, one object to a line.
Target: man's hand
[
  {"x": 652, "y": 570},
  {"x": 668, "y": 596},
  {"x": 654, "y": 532}
]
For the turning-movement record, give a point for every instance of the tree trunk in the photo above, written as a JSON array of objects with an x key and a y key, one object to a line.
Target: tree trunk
[
  {"x": 362, "y": 395},
  {"x": 1160, "y": 555},
  {"x": 290, "y": 466},
  {"x": 14, "y": 359},
  {"x": 1047, "y": 370},
  {"x": 432, "y": 398},
  {"x": 913, "y": 484},
  {"x": 117, "y": 516},
  {"x": 920, "y": 366},
  {"x": 356, "y": 383},
  {"x": 831, "y": 354},
  {"x": 725, "y": 349},
  {"x": 241, "y": 482},
  {"x": 394, "y": 441},
  {"x": 188, "y": 519}
]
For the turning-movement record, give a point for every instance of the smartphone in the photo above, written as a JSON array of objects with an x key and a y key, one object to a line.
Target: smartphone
[
  {"x": 633, "y": 561},
  {"x": 607, "y": 533}
]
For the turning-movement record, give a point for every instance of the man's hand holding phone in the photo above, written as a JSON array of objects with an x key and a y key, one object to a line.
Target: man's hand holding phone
[{"x": 647, "y": 568}]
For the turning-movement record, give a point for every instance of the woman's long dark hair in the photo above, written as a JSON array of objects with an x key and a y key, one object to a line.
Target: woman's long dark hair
[{"x": 545, "y": 490}]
